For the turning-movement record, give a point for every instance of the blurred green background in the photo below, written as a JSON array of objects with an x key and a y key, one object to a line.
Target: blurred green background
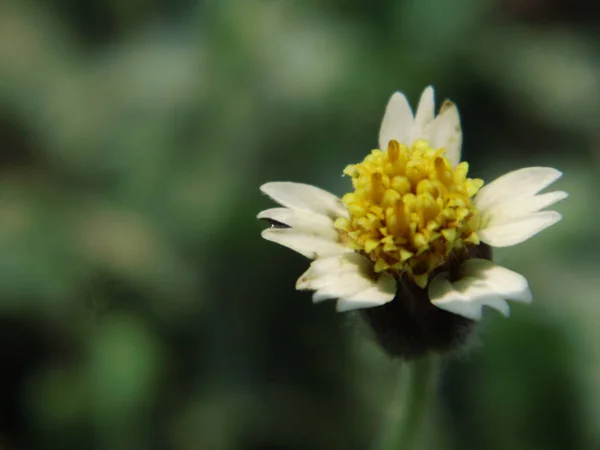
[{"x": 139, "y": 307}]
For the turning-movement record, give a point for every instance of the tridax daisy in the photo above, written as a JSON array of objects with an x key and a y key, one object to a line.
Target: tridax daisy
[{"x": 416, "y": 230}]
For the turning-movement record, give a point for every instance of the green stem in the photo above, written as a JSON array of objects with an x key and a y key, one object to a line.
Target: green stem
[{"x": 409, "y": 405}]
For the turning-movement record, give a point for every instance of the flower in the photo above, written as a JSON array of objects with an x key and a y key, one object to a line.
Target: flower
[{"x": 415, "y": 222}]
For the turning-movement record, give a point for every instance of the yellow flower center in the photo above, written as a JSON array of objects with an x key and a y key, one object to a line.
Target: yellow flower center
[{"x": 410, "y": 209}]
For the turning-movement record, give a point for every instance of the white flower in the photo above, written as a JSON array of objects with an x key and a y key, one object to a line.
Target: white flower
[{"x": 414, "y": 215}]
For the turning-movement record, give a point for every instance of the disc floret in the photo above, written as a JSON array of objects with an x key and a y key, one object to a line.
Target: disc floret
[{"x": 410, "y": 209}]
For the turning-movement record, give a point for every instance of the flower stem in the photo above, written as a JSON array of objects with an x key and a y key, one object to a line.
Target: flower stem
[{"x": 409, "y": 405}]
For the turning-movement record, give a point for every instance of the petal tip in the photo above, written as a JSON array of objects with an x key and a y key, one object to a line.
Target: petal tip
[
  {"x": 262, "y": 215},
  {"x": 319, "y": 297},
  {"x": 303, "y": 283},
  {"x": 267, "y": 234},
  {"x": 557, "y": 173},
  {"x": 266, "y": 186},
  {"x": 397, "y": 96}
]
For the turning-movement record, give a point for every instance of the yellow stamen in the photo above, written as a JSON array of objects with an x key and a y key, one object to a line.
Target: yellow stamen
[{"x": 410, "y": 209}]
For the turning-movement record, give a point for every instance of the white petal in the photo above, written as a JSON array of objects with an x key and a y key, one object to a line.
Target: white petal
[
  {"x": 465, "y": 297},
  {"x": 376, "y": 295},
  {"x": 306, "y": 197},
  {"x": 515, "y": 185},
  {"x": 477, "y": 291},
  {"x": 425, "y": 111},
  {"x": 324, "y": 271},
  {"x": 300, "y": 219},
  {"x": 445, "y": 131},
  {"x": 502, "y": 281},
  {"x": 397, "y": 121},
  {"x": 481, "y": 283},
  {"x": 313, "y": 245},
  {"x": 344, "y": 285},
  {"x": 517, "y": 231},
  {"x": 347, "y": 278},
  {"x": 510, "y": 211}
]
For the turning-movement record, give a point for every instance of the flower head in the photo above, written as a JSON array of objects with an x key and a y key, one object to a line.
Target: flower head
[
  {"x": 411, "y": 243},
  {"x": 411, "y": 209}
]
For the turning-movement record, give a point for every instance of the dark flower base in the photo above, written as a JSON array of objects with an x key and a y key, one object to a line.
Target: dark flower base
[{"x": 410, "y": 327}]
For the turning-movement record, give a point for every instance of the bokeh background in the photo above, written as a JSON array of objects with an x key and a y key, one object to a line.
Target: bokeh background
[{"x": 139, "y": 308}]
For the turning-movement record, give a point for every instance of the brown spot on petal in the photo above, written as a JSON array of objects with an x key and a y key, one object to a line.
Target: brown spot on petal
[{"x": 446, "y": 105}]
